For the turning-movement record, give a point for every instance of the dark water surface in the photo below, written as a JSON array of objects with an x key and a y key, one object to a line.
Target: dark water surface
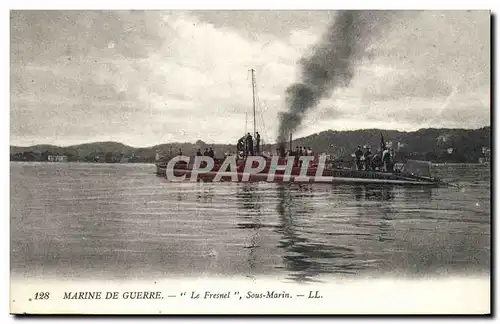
[{"x": 102, "y": 221}]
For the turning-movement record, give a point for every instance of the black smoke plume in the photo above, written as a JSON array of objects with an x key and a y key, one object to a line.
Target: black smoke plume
[{"x": 331, "y": 64}]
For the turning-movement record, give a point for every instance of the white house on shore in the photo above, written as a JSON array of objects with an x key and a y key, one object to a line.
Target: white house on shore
[{"x": 57, "y": 158}]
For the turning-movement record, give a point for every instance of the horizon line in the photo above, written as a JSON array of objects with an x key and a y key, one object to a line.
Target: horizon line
[{"x": 173, "y": 143}]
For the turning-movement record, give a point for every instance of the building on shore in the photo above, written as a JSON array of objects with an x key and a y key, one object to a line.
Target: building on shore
[
  {"x": 486, "y": 155},
  {"x": 57, "y": 158}
]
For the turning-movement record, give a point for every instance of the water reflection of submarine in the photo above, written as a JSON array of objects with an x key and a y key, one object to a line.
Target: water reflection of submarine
[
  {"x": 372, "y": 192},
  {"x": 305, "y": 258},
  {"x": 384, "y": 193},
  {"x": 379, "y": 214},
  {"x": 251, "y": 202}
]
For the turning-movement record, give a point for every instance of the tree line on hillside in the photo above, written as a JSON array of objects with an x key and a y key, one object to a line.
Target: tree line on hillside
[{"x": 436, "y": 145}]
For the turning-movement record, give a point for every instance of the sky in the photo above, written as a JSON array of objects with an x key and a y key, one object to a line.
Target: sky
[{"x": 149, "y": 77}]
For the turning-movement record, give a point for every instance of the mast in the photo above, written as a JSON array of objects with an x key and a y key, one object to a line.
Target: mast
[
  {"x": 253, "y": 97},
  {"x": 246, "y": 122}
]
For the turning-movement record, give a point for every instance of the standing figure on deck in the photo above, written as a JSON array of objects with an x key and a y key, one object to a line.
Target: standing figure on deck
[
  {"x": 386, "y": 160},
  {"x": 198, "y": 152},
  {"x": 376, "y": 162},
  {"x": 357, "y": 155},
  {"x": 205, "y": 153},
  {"x": 211, "y": 153},
  {"x": 249, "y": 143},
  {"x": 180, "y": 151},
  {"x": 240, "y": 147},
  {"x": 257, "y": 143},
  {"x": 368, "y": 158}
]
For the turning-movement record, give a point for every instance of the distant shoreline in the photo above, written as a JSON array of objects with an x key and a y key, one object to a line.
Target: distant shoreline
[
  {"x": 154, "y": 163},
  {"x": 436, "y": 145},
  {"x": 179, "y": 144}
]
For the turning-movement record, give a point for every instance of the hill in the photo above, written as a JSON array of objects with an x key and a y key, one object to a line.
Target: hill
[
  {"x": 427, "y": 144},
  {"x": 437, "y": 145}
]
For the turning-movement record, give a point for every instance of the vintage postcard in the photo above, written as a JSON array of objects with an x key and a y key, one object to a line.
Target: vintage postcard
[{"x": 250, "y": 162}]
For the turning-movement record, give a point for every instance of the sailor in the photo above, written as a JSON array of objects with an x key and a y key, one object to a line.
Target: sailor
[
  {"x": 368, "y": 158},
  {"x": 257, "y": 142},
  {"x": 240, "y": 147},
  {"x": 205, "y": 153},
  {"x": 386, "y": 159},
  {"x": 299, "y": 154},
  {"x": 309, "y": 151},
  {"x": 376, "y": 161},
  {"x": 390, "y": 164},
  {"x": 249, "y": 142},
  {"x": 358, "y": 154},
  {"x": 198, "y": 152},
  {"x": 211, "y": 153}
]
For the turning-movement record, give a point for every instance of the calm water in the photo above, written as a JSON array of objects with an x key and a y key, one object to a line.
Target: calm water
[{"x": 121, "y": 221}]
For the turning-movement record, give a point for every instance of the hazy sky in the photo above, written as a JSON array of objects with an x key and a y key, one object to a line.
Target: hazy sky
[{"x": 145, "y": 78}]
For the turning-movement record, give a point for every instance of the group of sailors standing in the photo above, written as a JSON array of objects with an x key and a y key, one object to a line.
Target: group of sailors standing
[
  {"x": 371, "y": 162},
  {"x": 247, "y": 146},
  {"x": 364, "y": 160},
  {"x": 301, "y": 151},
  {"x": 208, "y": 152}
]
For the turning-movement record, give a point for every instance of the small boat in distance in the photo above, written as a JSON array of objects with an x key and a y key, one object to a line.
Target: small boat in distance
[{"x": 316, "y": 169}]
